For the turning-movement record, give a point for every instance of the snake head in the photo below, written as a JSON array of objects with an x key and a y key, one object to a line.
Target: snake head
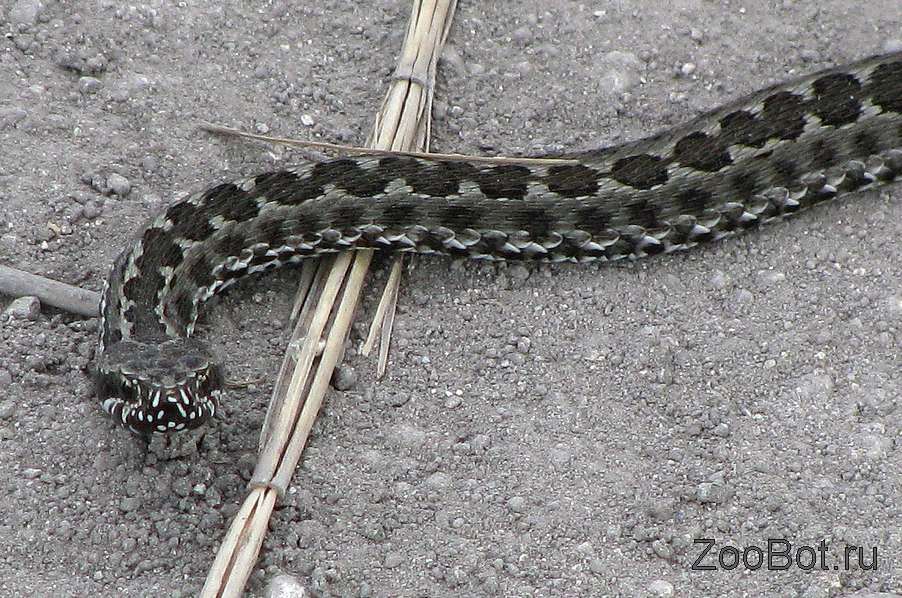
[{"x": 159, "y": 386}]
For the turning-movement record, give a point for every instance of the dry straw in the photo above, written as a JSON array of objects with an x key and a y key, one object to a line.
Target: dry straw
[{"x": 329, "y": 296}]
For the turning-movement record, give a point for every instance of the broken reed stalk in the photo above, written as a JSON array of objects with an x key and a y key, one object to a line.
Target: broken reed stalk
[{"x": 402, "y": 124}]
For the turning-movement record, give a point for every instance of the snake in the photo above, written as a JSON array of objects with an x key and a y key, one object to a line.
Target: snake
[{"x": 755, "y": 160}]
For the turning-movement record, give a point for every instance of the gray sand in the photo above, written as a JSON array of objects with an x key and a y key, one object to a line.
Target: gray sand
[{"x": 543, "y": 431}]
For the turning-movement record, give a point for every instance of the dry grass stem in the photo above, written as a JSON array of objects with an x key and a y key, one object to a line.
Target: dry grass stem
[
  {"x": 369, "y": 151},
  {"x": 317, "y": 342}
]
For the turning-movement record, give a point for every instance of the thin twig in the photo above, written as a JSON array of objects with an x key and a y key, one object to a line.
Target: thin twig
[
  {"x": 17, "y": 283},
  {"x": 369, "y": 151}
]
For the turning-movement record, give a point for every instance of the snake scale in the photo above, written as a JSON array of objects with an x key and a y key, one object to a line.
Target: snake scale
[{"x": 752, "y": 161}]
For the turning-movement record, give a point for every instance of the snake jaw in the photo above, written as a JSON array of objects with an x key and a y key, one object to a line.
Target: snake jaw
[{"x": 178, "y": 387}]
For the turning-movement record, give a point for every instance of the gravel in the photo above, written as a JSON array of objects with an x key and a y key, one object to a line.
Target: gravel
[{"x": 606, "y": 417}]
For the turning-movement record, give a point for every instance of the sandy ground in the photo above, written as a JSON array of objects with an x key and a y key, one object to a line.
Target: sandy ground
[{"x": 546, "y": 431}]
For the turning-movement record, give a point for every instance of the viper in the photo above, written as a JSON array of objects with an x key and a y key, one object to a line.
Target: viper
[{"x": 756, "y": 160}]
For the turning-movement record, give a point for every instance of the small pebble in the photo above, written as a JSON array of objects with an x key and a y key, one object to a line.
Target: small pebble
[
  {"x": 149, "y": 163},
  {"x": 522, "y": 35},
  {"x": 30, "y": 473},
  {"x": 10, "y": 116},
  {"x": 452, "y": 58},
  {"x": 662, "y": 549},
  {"x": 770, "y": 277},
  {"x": 25, "y": 12},
  {"x": 687, "y": 69},
  {"x": 7, "y": 409},
  {"x": 621, "y": 72},
  {"x": 344, "y": 378},
  {"x": 661, "y": 510},
  {"x": 118, "y": 184},
  {"x": 439, "y": 481},
  {"x": 89, "y": 84},
  {"x": 285, "y": 586},
  {"x": 743, "y": 296},
  {"x": 660, "y": 587},
  {"x": 518, "y": 273},
  {"x": 722, "y": 430},
  {"x": 398, "y": 399},
  {"x": 90, "y": 211},
  {"x": 307, "y": 120},
  {"x": 8, "y": 240},
  {"x": 708, "y": 492},
  {"x": 517, "y": 504},
  {"x": 392, "y": 560},
  {"x": 24, "y": 308},
  {"x": 719, "y": 280}
]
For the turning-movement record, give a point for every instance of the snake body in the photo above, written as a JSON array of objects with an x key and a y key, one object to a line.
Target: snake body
[{"x": 756, "y": 160}]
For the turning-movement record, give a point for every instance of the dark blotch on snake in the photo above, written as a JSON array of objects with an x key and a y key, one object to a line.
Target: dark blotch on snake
[
  {"x": 640, "y": 171},
  {"x": 884, "y": 86},
  {"x": 823, "y": 153},
  {"x": 199, "y": 271},
  {"x": 536, "y": 220},
  {"x": 400, "y": 213},
  {"x": 786, "y": 171},
  {"x": 742, "y": 128},
  {"x": 866, "y": 143},
  {"x": 189, "y": 221},
  {"x": 593, "y": 219},
  {"x": 784, "y": 113},
  {"x": 644, "y": 213},
  {"x": 836, "y": 100},
  {"x": 230, "y": 243},
  {"x": 144, "y": 289},
  {"x": 438, "y": 180},
  {"x": 184, "y": 308},
  {"x": 702, "y": 152},
  {"x": 460, "y": 217},
  {"x": 694, "y": 201},
  {"x": 743, "y": 184},
  {"x": 287, "y": 188},
  {"x": 508, "y": 181},
  {"x": 424, "y": 178},
  {"x": 271, "y": 231},
  {"x": 349, "y": 175},
  {"x": 346, "y": 216},
  {"x": 232, "y": 203},
  {"x": 159, "y": 247},
  {"x": 572, "y": 180}
]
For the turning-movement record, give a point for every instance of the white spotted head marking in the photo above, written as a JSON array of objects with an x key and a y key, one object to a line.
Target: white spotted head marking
[{"x": 165, "y": 386}]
